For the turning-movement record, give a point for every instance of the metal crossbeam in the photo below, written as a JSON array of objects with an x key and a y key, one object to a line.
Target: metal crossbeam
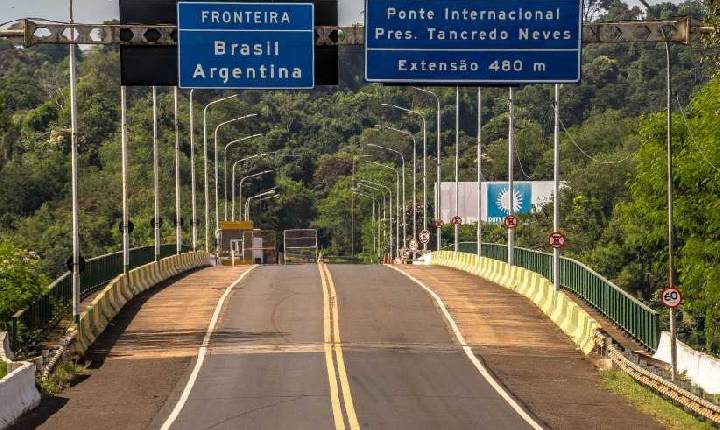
[{"x": 30, "y": 32}]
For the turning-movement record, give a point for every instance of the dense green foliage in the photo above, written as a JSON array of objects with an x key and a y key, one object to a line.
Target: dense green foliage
[
  {"x": 612, "y": 158},
  {"x": 19, "y": 279}
]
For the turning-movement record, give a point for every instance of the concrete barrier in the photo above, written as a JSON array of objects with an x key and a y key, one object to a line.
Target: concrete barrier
[
  {"x": 577, "y": 324},
  {"x": 18, "y": 393},
  {"x": 111, "y": 299}
]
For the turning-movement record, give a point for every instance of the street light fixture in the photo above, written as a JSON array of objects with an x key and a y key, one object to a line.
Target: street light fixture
[
  {"x": 242, "y": 181},
  {"x": 217, "y": 192},
  {"x": 438, "y": 178},
  {"x": 414, "y": 191},
  {"x": 397, "y": 204},
  {"x": 424, "y": 173},
  {"x": 269, "y": 192},
  {"x": 206, "y": 185},
  {"x": 402, "y": 159},
  {"x": 227, "y": 146}
]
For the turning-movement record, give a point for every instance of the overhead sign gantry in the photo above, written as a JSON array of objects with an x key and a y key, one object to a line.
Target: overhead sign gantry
[{"x": 464, "y": 42}]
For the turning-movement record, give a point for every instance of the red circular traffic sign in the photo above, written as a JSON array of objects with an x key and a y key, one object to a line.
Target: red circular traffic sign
[
  {"x": 439, "y": 223},
  {"x": 413, "y": 245},
  {"x": 671, "y": 297},
  {"x": 456, "y": 220},
  {"x": 510, "y": 221},
  {"x": 424, "y": 236},
  {"x": 556, "y": 240}
]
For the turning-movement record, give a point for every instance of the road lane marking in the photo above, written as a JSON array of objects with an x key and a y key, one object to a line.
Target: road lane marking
[
  {"x": 201, "y": 353},
  {"x": 469, "y": 353},
  {"x": 337, "y": 343},
  {"x": 327, "y": 347}
]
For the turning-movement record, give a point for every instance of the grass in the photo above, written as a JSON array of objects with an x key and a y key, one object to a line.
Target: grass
[
  {"x": 3, "y": 369},
  {"x": 645, "y": 400},
  {"x": 61, "y": 379}
]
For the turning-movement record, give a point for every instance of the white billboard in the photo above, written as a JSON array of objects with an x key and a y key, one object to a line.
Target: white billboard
[{"x": 529, "y": 197}]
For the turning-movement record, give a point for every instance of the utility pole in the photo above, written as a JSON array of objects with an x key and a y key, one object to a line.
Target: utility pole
[
  {"x": 74, "y": 179},
  {"x": 511, "y": 188},
  {"x": 352, "y": 211}
]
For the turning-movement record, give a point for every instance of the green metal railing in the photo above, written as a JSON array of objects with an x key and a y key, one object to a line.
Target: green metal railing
[
  {"x": 627, "y": 312},
  {"x": 56, "y": 301}
]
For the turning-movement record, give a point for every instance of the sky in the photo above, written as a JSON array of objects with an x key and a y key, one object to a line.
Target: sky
[{"x": 96, "y": 11}]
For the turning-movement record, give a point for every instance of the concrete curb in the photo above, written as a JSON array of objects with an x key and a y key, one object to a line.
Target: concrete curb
[
  {"x": 577, "y": 324},
  {"x": 111, "y": 299}
]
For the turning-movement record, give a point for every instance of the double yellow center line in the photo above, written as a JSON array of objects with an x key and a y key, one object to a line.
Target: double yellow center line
[{"x": 332, "y": 348}]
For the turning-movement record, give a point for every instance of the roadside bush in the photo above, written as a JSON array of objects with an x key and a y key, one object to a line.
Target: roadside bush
[{"x": 20, "y": 279}]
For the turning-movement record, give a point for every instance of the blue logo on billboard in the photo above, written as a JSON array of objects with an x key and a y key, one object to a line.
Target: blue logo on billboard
[{"x": 498, "y": 200}]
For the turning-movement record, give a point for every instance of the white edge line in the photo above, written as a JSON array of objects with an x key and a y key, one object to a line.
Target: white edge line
[
  {"x": 201, "y": 353},
  {"x": 469, "y": 353}
]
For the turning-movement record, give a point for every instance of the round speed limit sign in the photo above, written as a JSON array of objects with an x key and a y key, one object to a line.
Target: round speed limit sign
[{"x": 671, "y": 297}]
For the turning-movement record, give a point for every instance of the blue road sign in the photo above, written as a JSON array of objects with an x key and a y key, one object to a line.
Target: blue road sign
[
  {"x": 246, "y": 45},
  {"x": 473, "y": 42}
]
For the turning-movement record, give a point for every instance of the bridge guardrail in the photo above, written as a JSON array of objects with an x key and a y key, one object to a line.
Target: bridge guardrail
[
  {"x": 49, "y": 308},
  {"x": 634, "y": 317}
]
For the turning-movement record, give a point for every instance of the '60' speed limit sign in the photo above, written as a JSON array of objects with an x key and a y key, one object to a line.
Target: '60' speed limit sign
[{"x": 671, "y": 297}]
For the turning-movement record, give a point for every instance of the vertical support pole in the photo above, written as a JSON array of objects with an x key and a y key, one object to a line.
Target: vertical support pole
[
  {"x": 556, "y": 186},
  {"x": 424, "y": 178},
  {"x": 352, "y": 210},
  {"x": 479, "y": 173},
  {"x": 397, "y": 215},
  {"x": 457, "y": 168},
  {"x": 438, "y": 179},
  {"x": 156, "y": 176},
  {"x": 206, "y": 186},
  {"x": 193, "y": 181},
  {"x": 178, "y": 214},
  {"x": 373, "y": 230},
  {"x": 123, "y": 155},
  {"x": 74, "y": 180},
  {"x": 511, "y": 187},
  {"x": 414, "y": 188},
  {"x": 671, "y": 280}
]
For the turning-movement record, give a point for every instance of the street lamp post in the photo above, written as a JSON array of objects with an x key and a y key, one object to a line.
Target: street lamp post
[
  {"x": 193, "y": 180},
  {"x": 404, "y": 212},
  {"x": 217, "y": 188},
  {"x": 273, "y": 196},
  {"x": 511, "y": 188},
  {"x": 156, "y": 176},
  {"x": 206, "y": 184},
  {"x": 424, "y": 163},
  {"x": 269, "y": 192},
  {"x": 479, "y": 172},
  {"x": 382, "y": 188},
  {"x": 397, "y": 205},
  {"x": 373, "y": 219},
  {"x": 225, "y": 151},
  {"x": 457, "y": 167},
  {"x": 242, "y": 181},
  {"x": 438, "y": 177},
  {"x": 414, "y": 193},
  {"x": 74, "y": 179},
  {"x": 178, "y": 215}
]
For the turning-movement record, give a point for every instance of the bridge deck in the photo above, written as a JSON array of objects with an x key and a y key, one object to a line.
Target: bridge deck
[
  {"x": 529, "y": 354},
  {"x": 347, "y": 346}
]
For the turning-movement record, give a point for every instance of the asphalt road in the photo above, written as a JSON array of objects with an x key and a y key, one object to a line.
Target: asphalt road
[{"x": 278, "y": 359}]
